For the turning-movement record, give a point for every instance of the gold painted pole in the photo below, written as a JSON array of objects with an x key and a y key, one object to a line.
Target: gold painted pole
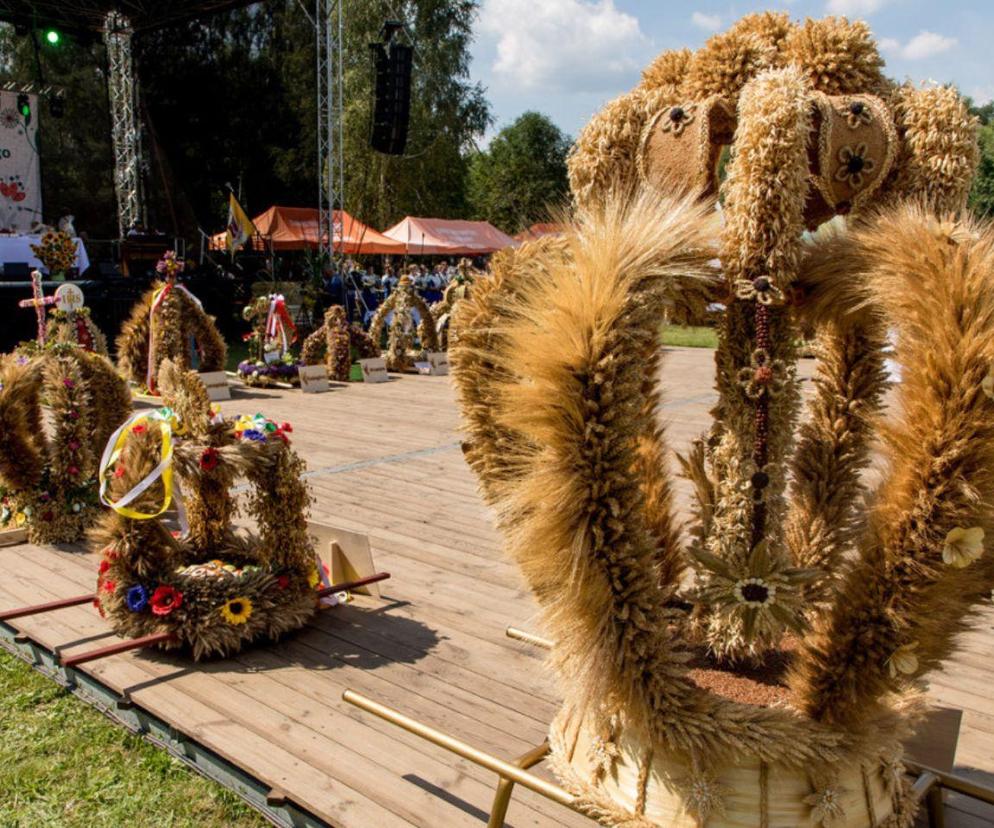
[
  {"x": 505, "y": 787},
  {"x": 953, "y": 782},
  {"x": 528, "y": 638},
  {"x": 478, "y": 757}
]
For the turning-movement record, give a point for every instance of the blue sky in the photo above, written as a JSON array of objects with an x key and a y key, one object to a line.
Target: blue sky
[{"x": 566, "y": 58}]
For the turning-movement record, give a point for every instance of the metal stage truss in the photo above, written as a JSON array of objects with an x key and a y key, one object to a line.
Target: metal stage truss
[
  {"x": 328, "y": 27},
  {"x": 119, "y": 21}
]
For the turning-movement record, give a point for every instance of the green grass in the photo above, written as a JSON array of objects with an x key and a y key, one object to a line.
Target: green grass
[
  {"x": 64, "y": 764},
  {"x": 689, "y": 336}
]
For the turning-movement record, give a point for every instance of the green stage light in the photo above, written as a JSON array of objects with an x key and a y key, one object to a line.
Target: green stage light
[{"x": 53, "y": 37}]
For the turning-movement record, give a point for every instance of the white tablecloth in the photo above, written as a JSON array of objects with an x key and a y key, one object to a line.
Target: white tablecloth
[{"x": 18, "y": 249}]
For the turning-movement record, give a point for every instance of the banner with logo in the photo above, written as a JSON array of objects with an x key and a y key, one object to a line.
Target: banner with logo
[{"x": 20, "y": 170}]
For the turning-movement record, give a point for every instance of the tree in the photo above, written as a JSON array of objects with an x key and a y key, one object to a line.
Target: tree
[
  {"x": 515, "y": 181},
  {"x": 230, "y": 98},
  {"x": 982, "y": 193}
]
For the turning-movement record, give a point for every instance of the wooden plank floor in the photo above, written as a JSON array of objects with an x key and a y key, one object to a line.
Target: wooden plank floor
[{"x": 385, "y": 459}]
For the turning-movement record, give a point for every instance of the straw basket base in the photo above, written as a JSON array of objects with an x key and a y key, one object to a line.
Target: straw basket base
[{"x": 629, "y": 784}]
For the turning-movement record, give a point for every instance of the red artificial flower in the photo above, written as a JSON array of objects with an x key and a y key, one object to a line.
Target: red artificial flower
[
  {"x": 286, "y": 427},
  {"x": 104, "y": 566},
  {"x": 74, "y": 414},
  {"x": 138, "y": 429},
  {"x": 99, "y": 607},
  {"x": 119, "y": 471},
  {"x": 73, "y": 470},
  {"x": 208, "y": 459},
  {"x": 283, "y": 581},
  {"x": 165, "y": 599},
  {"x": 108, "y": 586},
  {"x": 74, "y": 445},
  {"x": 68, "y": 383}
]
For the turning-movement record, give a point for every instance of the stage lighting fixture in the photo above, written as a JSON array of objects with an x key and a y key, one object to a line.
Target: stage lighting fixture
[
  {"x": 53, "y": 37},
  {"x": 24, "y": 106}
]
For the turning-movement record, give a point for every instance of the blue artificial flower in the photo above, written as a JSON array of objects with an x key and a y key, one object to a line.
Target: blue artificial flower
[
  {"x": 136, "y": 598},
  {"x": 254, "y": 434}
]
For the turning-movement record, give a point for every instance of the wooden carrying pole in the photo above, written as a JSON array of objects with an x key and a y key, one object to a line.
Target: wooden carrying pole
[
  {"x": 35, "y": 609},
  {"x": 120, "y": 647},
  {"x": 348, "y": 586}
]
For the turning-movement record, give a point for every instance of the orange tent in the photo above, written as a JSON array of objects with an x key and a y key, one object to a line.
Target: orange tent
[
  {"x": 296, "y": 228},
  {"x": 536, "y": 231},
  {"x": 448, "y": 237}
]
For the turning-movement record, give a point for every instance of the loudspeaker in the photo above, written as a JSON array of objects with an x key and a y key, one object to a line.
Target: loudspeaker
[{"x": 392, "y": 101}]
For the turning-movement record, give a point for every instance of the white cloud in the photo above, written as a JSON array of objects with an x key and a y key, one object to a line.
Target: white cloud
[
  {"x": 923, "y": 45},
  {"x": 563, "y": 45},
  {"x": 709, "y": 22},
  {"x": 853, "y": 8}
]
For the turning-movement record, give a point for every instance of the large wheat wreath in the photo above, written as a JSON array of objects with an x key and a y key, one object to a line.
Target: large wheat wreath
[
  {"x": 214, "y": 589},
  {"x": 764, "y": 665},
  {"x": 339, "y": 344},
  {"x": 163, "y": 325},
  {"x": 403, "y": 348},
  {"x": 48, "y": 470}
]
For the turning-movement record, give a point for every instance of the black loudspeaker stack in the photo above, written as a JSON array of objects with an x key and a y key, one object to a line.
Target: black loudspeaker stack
[{"x": 392, "y": 104}]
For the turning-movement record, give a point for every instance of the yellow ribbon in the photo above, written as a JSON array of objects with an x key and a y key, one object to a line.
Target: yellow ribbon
[{"x": 168, "y": 423}]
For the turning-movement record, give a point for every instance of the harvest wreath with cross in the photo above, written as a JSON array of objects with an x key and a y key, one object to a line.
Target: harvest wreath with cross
[{"x": 48, "y": 469}]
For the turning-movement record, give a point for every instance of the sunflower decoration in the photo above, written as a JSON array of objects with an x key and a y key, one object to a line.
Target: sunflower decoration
[
  {"x": 57, "y": 252},
  {"x": 237, "y": 610},
  {"x": 761, "y": 597}
]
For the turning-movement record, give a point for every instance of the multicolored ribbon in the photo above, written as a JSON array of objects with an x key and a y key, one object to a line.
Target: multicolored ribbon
[
  {"x": 168, "y": 424},
  {"x": 278, "y": 322}
]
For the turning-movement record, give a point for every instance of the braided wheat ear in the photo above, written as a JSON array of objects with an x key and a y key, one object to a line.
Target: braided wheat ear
[
  {"x": 934, "y": 281},
  {"x": 48, "y": 476}
]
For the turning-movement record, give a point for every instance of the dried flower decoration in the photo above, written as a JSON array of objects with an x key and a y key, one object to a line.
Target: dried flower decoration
[
  {"x": 763, "y": 377},
  {"x": 826, "y": 805},
  {"x": 760, "y": 289},
  {"x": 903, "y": 661},
  {"x": 677, "y": 119},
  {"x": 703, "y": 795},
  {"x": 755, "y": 592},
  {"x": 963, "y": 546},
  {"x": 762, "y": 594},
  {"x": 854, "y": 165},
  {"x": 892, "y": 772},
  {"x": 856, "y": 113}
]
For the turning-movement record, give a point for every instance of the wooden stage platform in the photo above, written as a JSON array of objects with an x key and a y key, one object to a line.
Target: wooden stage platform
[{"x": 385, "y": 460}]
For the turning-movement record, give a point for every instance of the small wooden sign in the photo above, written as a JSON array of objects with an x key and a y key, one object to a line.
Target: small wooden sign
[
  {"x": 313, "y": 378},
  {"x": 347, "y": 554},
  {"x": 216, "y": 383},
  {"x": 439, "y": 362},
  {"x": 374, "y": 370},
  {"x": 10, "y": 537}
]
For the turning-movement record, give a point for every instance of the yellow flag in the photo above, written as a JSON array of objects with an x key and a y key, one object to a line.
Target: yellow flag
[{"x": 240, "y": 227}]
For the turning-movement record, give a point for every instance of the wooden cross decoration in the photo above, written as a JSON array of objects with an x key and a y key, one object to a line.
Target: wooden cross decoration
[{"x": 38, "y": 301}]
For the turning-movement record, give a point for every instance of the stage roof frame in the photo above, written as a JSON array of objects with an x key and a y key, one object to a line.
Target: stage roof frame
[{"x": 89, "y": 15}]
